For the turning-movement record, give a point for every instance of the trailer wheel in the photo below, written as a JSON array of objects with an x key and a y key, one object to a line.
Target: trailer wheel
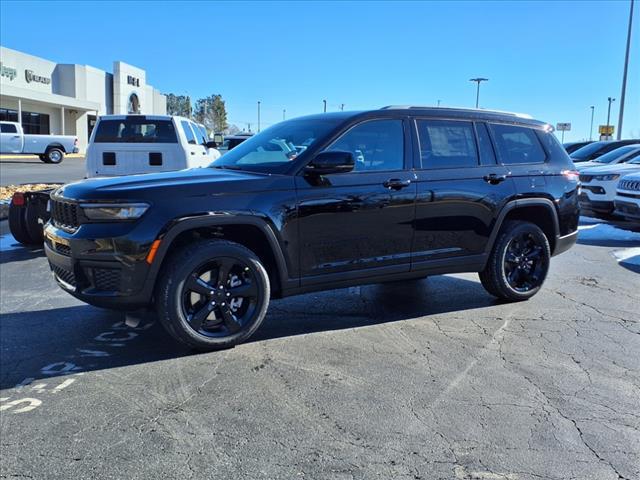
[
  {"x": 54, "y": 155},
  {"x": 17, "y": 224},
  {"x": 34, "y": 229}
]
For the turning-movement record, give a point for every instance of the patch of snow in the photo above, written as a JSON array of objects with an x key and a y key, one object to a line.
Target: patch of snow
[
  {"x": 604, "y": 231},
  {"x": 630, "y": 256}
]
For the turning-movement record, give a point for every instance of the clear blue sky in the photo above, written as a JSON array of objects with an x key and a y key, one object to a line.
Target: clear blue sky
[{"x": 550, "y": 59}]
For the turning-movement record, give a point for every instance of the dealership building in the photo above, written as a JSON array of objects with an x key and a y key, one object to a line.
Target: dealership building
[{"x": 66, "y": 99}]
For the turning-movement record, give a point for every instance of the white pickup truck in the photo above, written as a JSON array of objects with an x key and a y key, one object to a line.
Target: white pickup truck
[{"x": 50, "y": 148}]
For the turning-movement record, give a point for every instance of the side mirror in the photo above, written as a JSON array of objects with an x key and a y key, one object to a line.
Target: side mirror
[
  {"x": 218, "y": 138},
  {"x": 212, "y": 144},
  {"x": 331, "y": 162}
]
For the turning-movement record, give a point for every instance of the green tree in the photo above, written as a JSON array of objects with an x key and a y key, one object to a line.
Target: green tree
[
  {"x": 178, "y": 105},
  {"x": 212, "y": 113}
]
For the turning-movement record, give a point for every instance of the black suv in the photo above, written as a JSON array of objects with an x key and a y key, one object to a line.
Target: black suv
[{"x": 320, "y": 202}]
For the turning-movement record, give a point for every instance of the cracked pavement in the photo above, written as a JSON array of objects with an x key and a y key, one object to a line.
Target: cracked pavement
[{"x": 429, "y": 379}]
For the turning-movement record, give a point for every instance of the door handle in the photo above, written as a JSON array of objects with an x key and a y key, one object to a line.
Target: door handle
[
  {"x": 16, "y": 136},
  {"x": 494, "y": 179},
  {"x": 396, "y": 184}
]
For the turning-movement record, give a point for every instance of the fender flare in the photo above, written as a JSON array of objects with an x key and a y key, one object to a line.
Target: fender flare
[
  {"x": 55, "y": 145},
  {"x": 180, "y": 225},
  {"x": 526, "y": 202}
]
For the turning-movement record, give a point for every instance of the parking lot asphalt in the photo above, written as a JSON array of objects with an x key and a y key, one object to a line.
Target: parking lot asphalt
[
  {"x": 430, "y": 379},
  {"x": 29, "y": 169}
]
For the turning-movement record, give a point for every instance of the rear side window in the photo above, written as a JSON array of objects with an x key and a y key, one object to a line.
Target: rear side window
[
  {"x": 188, "y": 132},
  {"x": 135, "y": 130},
  {"x": 447, "y": 144},
  {"x": 517, "y": 144},
  {"x": 8, "y": 128}
]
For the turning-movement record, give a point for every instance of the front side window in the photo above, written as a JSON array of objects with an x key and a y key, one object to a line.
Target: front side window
[
  {"x": 517, "y": 144},
  {"x": 447, "y": 144},
  {"x": 135, "y": 130},
  {"x": 376, "y": 145},
  {"x": 186, "y": 127}
]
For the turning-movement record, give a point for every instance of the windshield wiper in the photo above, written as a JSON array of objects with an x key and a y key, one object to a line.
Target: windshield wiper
[{"x": 227, "y": 167}]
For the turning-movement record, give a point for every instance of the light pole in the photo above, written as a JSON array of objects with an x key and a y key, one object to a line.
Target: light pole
[
  {"x": 438, "y": 103},
  {"x": 592, "y": 107},
  {"x": 258, "y": 115},
  {"x": 610, "y": 100},
  {"x": 325, "y": 105},
  {"x": 284, "y": 113},
  {"x": 478, "y": 81},
  {"x": 624, "y": 75},
  {"x": 342, "y": 107}
]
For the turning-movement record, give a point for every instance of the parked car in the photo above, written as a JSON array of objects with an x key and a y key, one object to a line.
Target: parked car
[
  {"x": 599, "y": 187},
  {"x": 619, "y": 155},
  {"x": 571, "y": 147},
  {"x": 49, "y": 148},
  {"x": 375, "y": 196},
  {"x": 232, "y": 141},
  {"x": 627, "y": 200},
  {"x": 597, "y": 149},
  {"x": 133, "y": 144}
]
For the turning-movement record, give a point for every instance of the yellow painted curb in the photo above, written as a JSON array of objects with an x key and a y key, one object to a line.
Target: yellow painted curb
[{"x": 12, "y": 157}]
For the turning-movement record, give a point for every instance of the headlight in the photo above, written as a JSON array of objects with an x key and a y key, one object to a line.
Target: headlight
[
  {"x": 606, "y": 177},
  {"x": 114, "y": 211}
]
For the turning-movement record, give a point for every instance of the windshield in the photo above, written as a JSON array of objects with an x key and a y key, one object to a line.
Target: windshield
[
  {"x": 615, "y": 154},
  {"x": 635, "y": 161},
  {"x": 587, "y": 150},
  {"x": 273, "y": 150}
]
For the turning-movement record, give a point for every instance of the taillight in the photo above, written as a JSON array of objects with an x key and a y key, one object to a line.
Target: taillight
[
  {"x": 572, "y": 175},
  {"x": 18, "y": 199}
]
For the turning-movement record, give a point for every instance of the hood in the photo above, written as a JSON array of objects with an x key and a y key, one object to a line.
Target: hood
[
  {"x": 611, "y": 169},
  {"x": 191, "y": 182}
]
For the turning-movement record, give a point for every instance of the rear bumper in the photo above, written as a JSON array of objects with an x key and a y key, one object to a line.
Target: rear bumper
[{"x": 565, "y": 242}]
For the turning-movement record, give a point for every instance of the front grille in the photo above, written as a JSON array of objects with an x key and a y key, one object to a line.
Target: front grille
[
  {"x": 106, "y": 279},
  {"x": 586, "y": 178},
  {"x": 629, "y": 184},
  {"x": 65, "y": 215},
  {"x": 65, "y": 275}
]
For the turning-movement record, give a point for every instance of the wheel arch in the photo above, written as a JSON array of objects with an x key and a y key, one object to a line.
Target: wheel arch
[
  {"x": 249, "y": 231},
  {"x": 539, "y": 211},
  {"x": 55, "y": 145}
]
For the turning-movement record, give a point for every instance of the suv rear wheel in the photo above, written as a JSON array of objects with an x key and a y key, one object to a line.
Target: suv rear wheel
[
  {"x": 213, "y": 294},
  {"x": 519, "y": 262}
]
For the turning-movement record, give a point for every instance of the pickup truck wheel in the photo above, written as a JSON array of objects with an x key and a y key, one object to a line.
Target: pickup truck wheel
[
  {"x": 43, "y": 157},
  {"x": 212, "y": 294},
  {"x": 54, "y": 155},
  {"x": 519, "y": 262},
  {"x": 18, "y": 224}
]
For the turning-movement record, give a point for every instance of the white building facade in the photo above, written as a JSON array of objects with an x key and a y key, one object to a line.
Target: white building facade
[{"x": 66, "y": 99}]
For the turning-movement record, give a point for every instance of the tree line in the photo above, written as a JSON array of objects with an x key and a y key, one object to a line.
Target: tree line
[{"x": 209, "y": 111}]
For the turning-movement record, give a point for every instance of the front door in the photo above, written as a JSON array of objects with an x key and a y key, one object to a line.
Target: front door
[
  {"x": 10, "y": 139},
  {"x": 461, "y": 189},
  {"x": 362, "y": 221}
]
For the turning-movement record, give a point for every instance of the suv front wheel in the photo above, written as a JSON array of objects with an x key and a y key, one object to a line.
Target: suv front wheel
[
  {"x": 212, "y": 294},
  {"x": 519, "y": 262}
]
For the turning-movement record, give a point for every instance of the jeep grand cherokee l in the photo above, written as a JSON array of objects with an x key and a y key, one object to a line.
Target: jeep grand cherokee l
[{"x": 316, "y": 203}]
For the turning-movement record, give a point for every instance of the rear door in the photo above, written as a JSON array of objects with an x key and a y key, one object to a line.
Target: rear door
[
  {"x": 461, "y": 189},
  {"x": 10, "y": 139}
]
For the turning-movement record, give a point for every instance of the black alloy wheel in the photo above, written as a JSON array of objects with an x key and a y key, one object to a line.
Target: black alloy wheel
[{"x": 525, "y": 264}]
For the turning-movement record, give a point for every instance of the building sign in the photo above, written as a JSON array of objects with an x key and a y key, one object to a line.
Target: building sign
[
  {"x": 8, "y": 72},
  {"x": 32, "y": 77},
  {"x": 131, "y": 80},
  {"x": 563, "y": 127}
]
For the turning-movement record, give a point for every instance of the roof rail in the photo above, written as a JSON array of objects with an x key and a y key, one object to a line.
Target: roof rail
[{"x": 456, "y": 109}]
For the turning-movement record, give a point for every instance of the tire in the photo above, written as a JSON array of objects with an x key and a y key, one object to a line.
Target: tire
[
  {"x": 43, "y": 157},
  {"x": 54, "y": 155},
  {"x": 17, "y": 224},
  {"x": 34, "y": 229},
  {"x": 519, "y": 262},
  {"x": 185, "y": 304}
]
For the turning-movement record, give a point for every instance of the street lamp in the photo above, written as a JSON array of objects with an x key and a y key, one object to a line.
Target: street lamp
[
  {"x": 284, "y": 113},
  {"x": 258, "y": 115},
  {"x": 624, "y": 75},
  {"x": 610, "y": 100},
  {"x": 478, "y": 81},
  {"x": 325, "y": 105},
  {"x": 591, "y": 129}
]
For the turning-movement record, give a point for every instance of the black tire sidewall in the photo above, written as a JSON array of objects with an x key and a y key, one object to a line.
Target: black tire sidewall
[
  {"x": 176, "y": 272},
  {"x": 34, "y": 229},
  {"x": 501, "y": 251},
  {"x": 17, "y": 224}
]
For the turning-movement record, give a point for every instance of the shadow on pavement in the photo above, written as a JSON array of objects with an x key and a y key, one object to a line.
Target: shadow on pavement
[{"x": 94, "y": 339}]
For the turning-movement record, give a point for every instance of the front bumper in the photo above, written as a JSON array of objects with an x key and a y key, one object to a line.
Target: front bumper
[{"x": 104, "y": 280}]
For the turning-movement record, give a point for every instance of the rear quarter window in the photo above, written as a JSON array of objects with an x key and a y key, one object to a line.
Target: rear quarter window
[
  {"x": 517, "y": 145},
  {"x": 135, "y": 130}
]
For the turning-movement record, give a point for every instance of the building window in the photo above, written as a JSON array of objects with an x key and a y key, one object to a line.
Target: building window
[
  {"x": 134, "y": 103},
  {"x": 32, "y": 123}
]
